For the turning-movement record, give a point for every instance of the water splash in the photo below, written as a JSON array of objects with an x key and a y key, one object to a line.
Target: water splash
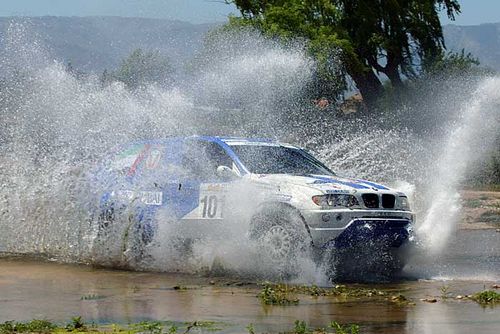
[
  {"x": 55, "y": 127},
  {"x": 468, "y": 141}
]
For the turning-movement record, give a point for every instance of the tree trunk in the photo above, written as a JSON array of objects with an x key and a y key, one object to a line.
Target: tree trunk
[
  {"x": 369, "y": 86},
  {"x": 392, "y": 72}
]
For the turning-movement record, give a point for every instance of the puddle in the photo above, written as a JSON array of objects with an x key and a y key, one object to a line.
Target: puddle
[{"x": 31, "y": 288}]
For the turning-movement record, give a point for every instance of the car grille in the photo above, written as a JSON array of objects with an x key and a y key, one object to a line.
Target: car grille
[
  {"x": 388, "y": 201},
  {"x": 371, "y": 200}
]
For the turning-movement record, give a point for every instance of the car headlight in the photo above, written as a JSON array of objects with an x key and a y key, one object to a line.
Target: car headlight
[
  {"x": 404, "y": 203},
  {"x": 335, "y": 200}
]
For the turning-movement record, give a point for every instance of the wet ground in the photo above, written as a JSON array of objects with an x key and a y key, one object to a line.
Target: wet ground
[{"x": 31, "y": 288}]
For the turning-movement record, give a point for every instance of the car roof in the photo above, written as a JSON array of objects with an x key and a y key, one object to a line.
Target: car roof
[{"x": 217, "y": 139}]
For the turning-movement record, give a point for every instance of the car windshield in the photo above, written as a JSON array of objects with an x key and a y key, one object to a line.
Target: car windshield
[{"x": 276, "y": 159}]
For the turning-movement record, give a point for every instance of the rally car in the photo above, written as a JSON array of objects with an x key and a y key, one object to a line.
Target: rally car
[{"x": 287, "y": 200}]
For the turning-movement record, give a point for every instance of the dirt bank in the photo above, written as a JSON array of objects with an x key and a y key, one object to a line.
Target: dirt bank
[{"x": 481, "y": 210}]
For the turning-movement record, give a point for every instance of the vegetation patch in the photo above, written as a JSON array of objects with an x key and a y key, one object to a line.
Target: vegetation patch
[
  {"x": 301, "y": 327},
  {"x": 77, "y": 325},
  {"x": 486, "y": 297},
  {"x": 401, "y": 300},
  {"x": 473, "y": 203},
  {"x": 277, "y": 294},
  {"x": 92, "y": 297},
  {"x": 490, "y": 216},
  {"x": 33, "y": 326}
]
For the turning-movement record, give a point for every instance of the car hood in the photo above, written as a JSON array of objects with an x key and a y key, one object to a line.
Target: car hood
[{"x": 324, "y": 183}]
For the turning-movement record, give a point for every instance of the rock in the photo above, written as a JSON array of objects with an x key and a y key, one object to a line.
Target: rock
[
  {"x": 212, "y": 282},
  {"x": 495, "y": 286},
  {"x": 429, "y": 300},
  {"x": 459, "y": 297}
]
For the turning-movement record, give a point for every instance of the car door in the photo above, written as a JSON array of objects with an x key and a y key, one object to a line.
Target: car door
[{"x": 202, "y": 190}]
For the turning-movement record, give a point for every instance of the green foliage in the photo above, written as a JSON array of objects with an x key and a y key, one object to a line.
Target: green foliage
[
  {"x": 451, "y": 64},
  {"x": 250, "y": 329},
  {"x": 315, "y": 291},
  {"x": 141, "y": 68},
  {"x": 153, "y": 327},
  {"x": 33, "y": 326},
  {"x": 487, "y": 297},
  {"x": 390, "y": 37},
  {"x": 490, "y": 216},
  {"x": 301, "y": 327},
  {"x": 76, "y": 324},
  {"x": 298, "y": 20},
  {"x": 277, "y": 295},
  {"x": 344, "y": 329}
]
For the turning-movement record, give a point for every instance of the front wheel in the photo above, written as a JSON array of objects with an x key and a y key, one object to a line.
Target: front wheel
[{"x": 282, "y": 239}]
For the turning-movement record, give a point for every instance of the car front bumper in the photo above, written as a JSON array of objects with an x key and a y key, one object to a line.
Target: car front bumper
[{"x": 345, "y": 227}]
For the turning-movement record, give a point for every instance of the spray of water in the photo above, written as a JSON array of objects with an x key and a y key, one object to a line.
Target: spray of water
[
  {"x": 55, "y": 128},
  {"x": 465, "y": 143}
]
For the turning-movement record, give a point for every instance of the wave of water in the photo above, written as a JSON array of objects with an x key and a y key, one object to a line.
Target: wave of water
[{"x": 55, "y": 127}]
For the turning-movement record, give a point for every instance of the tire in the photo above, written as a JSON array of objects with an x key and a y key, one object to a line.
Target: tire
[
  {"x": 105, "y": 248},
  {"x": 138, "y": 234},
  {"x": 282, "y": 239},
  {"x": 121, "y": 238}
]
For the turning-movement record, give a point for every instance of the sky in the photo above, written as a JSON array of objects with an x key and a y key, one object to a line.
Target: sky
[{"x": 195, "y": 11}]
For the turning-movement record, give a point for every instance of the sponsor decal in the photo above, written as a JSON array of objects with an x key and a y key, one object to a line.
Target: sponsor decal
[
  {"x": 279, "y": 197},
  {"x": 153, "y": 160},
  {"x": 338, "y": 191},
  {"x": 146, "y": 197},
  {"x": 151, "y": 197},
  {"x": 215, "y": 187}
]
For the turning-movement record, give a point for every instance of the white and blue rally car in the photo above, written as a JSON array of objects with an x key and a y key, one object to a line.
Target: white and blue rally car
[{"x": 288, "y": 199}]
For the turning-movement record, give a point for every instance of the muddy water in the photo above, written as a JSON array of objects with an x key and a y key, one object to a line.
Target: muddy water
[{"x": 31, "y": 288}]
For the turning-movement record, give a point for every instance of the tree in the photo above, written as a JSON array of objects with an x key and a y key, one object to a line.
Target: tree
[
  {"x": 375, "y": 36},
  {"x": 141, "y": 68}
]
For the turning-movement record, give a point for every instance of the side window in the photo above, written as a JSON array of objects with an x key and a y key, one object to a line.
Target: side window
[
  {"x": 201, "y": 159},
  {"x": 162, "y": 164}
]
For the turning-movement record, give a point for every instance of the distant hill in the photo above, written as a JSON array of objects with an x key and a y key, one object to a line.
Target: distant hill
[
  {"x": 98, "y": 43},
  {"x": 483, "y": 41}
]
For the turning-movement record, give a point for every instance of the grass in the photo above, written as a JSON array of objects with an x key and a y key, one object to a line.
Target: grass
[
  {"x": 490, "y": 216},
  {"x": 277, "y": 294},
  {"x": 76, "y": 325},
  {"x": 33, "y": 326},
  {"x": 473, "y": 203},
  {"x": 284, "y": 294},
  {"x": 485, "y": 187},
  {"x": 486, "y": 297}
]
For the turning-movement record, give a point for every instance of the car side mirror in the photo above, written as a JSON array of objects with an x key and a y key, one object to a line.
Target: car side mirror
[{"x": 226, "y": 173}]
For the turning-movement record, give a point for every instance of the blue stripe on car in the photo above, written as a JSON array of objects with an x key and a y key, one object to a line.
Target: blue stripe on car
[
  {"x": 374, "y": 185},
  {"x": 323, "y": 179}
]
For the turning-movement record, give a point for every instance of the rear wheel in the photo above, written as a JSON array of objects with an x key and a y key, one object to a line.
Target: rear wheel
[{"x": 136, "y": 238}]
